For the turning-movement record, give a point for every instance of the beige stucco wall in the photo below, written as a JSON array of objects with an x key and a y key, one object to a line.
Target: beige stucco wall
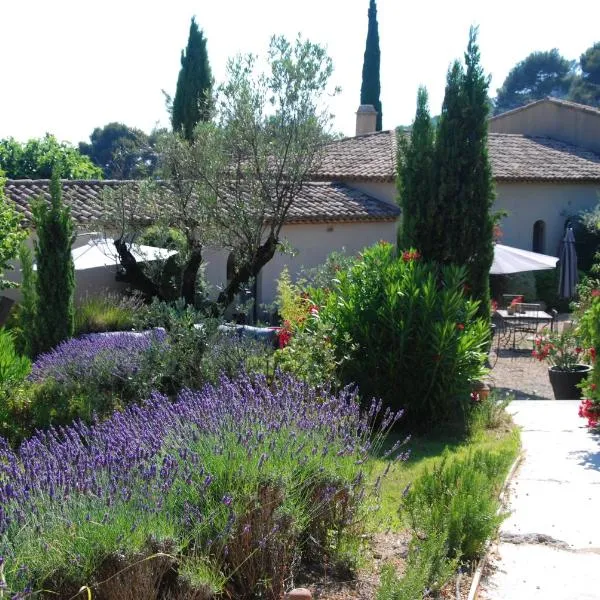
[
  {"x": 560, "y": 122},
  {"x": 314, "y": 243},
  {"x": 553, "y": 203}
]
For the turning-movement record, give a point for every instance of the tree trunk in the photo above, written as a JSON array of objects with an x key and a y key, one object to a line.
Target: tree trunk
[
  {"x": 134, "y": 273},
  {"x": 248, "y": 270},
  {"x": 190, "y": 275}
]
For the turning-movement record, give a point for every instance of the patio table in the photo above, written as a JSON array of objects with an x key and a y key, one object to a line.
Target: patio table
[{"x": 510, "y": 322}]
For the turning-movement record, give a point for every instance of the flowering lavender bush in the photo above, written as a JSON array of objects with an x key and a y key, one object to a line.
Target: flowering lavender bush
[
  {"x": 241, "y": 479},
  {"x": 95, "y": 356}
]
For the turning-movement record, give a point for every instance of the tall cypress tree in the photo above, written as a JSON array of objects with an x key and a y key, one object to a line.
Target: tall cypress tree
[
  {"x": 414, "y": 181},
  {"x": 464, "y": 185},
  {"x": 55, "y": 280},
  {"x": 191, "y": 103},
  {"x": 370, "y": 90}
]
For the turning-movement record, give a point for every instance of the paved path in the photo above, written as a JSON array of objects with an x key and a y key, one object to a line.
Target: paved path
[{"x": 549, "y": 546}]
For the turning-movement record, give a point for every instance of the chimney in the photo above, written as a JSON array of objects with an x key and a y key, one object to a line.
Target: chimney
[{"x": 366, "y": 119}]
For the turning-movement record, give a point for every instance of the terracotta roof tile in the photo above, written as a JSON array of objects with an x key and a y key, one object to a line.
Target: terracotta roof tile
[
  {"x": 514, "y": 157},
  {"x": 317, "y": 202}
]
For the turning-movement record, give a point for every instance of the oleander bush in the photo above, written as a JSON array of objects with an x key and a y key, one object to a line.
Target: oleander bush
[
  {"x": 225, "y": 490},
  {"x": 406, "y": 330}
]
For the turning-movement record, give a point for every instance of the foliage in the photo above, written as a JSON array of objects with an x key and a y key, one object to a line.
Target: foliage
[
  {"x": 370, "y": 91},
  {"x": 109, "y": 312},
  {"x": 192, "y": 100},
  {"x": 460, "y": 498},
  {"x": 546, "y": 286},
  {"x": 539, "y": 75},
  {"x": 560, "y": 349},
  {"x": 462, "y": 232},
  {"x": 25, "y": 316},
  {"x": 489, "y": 412},
  {"x": 407, "y": 333},
  {"x": 121, "y": 152},
  {"x": 427, "y": 570},
  {"x": 13, "y": 368},
  {"x": 11, "y": 234},
  {"x": 163, "y": 237},
  {"x": 234, "y": 182},
  {"x": 586, "y": 88},
  {"x": 306, "y": 341},
  {"x": 37, "y": 158},
  {"x": 589, "y": 329},
  {"x": 55, "y": 279},
  {"x": 415, "y": 178},
  {"x": 241, "y": 481}
]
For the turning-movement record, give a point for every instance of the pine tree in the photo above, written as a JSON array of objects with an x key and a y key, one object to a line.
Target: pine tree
[
  {"x": 370, "y": 90},
  {"x": 55, "y": 280},
  {"x": 415, "y": 161},
  {"x": 192, "y": 97},
  {"x": 463, "y": 232}
]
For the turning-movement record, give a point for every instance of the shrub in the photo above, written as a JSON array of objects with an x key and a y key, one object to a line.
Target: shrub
[
  {"x": 406, "y": 332},
  {"x": 459, "y": 496},
  {"x": 110, "y": 312},
  {"x": 236, "y": 483},
  {"x": 13, "y": 367}
]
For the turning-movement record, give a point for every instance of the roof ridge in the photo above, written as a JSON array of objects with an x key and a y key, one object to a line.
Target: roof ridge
[
  {"x": 362, "y": 135},
  {"x": 560, "y": 101}
]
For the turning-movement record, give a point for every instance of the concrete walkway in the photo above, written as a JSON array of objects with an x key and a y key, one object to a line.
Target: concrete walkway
[{"x": 549, "y": 547}]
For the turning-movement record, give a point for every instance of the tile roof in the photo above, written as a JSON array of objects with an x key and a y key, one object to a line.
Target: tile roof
[
  {"x": 514, "y": 157},
  {"x": 317, "y": 202},
  {"x": 517, "y": 157},
  {"x": 370, "y": 157}
]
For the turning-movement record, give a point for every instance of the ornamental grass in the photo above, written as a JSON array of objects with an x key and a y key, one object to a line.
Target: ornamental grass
[{"x": 227, "y": 490}]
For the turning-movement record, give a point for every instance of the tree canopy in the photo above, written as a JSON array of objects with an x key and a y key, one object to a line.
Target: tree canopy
[
  {"x": 539, "y": 75},
  {"x": 233, "y": 183},
  {"x": 121, "y": 152},
  {"x": 11, "y": 235},
  {"x": 191, "y": 103},
  {"x": 36, "y": 159},
  {"x": 370, "y": 90},
  {"x": 586, "y": 87}
]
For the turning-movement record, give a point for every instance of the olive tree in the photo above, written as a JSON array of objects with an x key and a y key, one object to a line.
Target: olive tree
[{"x": 233, "y": 184}]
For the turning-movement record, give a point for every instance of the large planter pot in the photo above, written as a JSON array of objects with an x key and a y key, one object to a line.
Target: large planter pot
[{"x": 564, "y": 383}]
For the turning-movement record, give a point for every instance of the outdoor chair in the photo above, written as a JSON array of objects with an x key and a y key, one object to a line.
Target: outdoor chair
[{"x": 525, "y": 323}]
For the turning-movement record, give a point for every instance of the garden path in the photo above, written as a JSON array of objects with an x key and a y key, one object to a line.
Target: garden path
[{"x": 549, "y": 546}]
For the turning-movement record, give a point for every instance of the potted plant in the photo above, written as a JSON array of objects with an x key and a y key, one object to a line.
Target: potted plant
[{"x": 563, "y": 352}]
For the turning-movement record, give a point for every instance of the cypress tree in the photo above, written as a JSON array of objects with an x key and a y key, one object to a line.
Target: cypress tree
[
  {"x": 370, "y": 90},
  {"x": 55, "y": 280},
  {"x": 415, "y": 162},
  {"x": 192, "y": 96},
  {"x": 463, "y": 231}
]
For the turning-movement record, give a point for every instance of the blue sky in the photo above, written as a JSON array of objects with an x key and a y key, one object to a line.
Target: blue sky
[{"x": 71, "y": 65}]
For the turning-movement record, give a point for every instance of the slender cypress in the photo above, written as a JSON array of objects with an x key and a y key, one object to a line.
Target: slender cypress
[
  {"x": 55, "y": 280},
  {"x": 191, "y": 103},
  {"x": 415, "y": 162},
  {"x": 370, "y": 90},
  {"x": 464, "y": 185}
]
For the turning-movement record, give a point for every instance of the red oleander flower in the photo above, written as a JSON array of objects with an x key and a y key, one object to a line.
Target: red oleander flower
[
  {"x": 595, "y": 293},
  {"x": 475, "y": 397},
  {"x": 592, "y": 352},
  {"x": 593, "y": 387},
  {"x": 411, "y": 255},
  {"x": 460, "y": 326}
]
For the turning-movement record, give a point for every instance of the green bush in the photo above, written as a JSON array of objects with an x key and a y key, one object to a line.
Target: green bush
[
  {"x": 111, "y": 312},
  {"x": 13, "y": 367},
  {"x": 459, "y": 496},
  {"x": 405, "y": 331}
]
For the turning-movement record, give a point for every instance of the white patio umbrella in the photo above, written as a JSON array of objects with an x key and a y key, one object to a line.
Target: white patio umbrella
[
  {"x": 102, "y": 253},
  {"x": 514, "y": 260}
]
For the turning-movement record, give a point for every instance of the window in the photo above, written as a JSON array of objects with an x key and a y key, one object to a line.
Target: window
[{"x": 539, "y": 237}]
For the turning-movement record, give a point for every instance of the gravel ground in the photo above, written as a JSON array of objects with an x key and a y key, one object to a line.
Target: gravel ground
[{"x": 517, "y": 373}]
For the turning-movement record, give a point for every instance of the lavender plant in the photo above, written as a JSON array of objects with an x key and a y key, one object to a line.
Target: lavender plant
[{"x": 241, "y": 480}]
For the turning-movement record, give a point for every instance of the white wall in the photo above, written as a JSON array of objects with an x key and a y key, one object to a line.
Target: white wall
[
  {"x": 314, "y": 242},
  {"x": 553, "y": 203}
]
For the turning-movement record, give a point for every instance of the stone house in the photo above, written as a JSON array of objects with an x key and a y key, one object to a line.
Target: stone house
[{"x": 546, "y": 164}]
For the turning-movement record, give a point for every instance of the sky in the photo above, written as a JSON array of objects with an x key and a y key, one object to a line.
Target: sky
[{"x": 68, "y": 66}]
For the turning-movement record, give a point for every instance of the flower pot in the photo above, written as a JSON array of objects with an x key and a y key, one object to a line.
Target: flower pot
[{"x": 564, "y": 383}]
